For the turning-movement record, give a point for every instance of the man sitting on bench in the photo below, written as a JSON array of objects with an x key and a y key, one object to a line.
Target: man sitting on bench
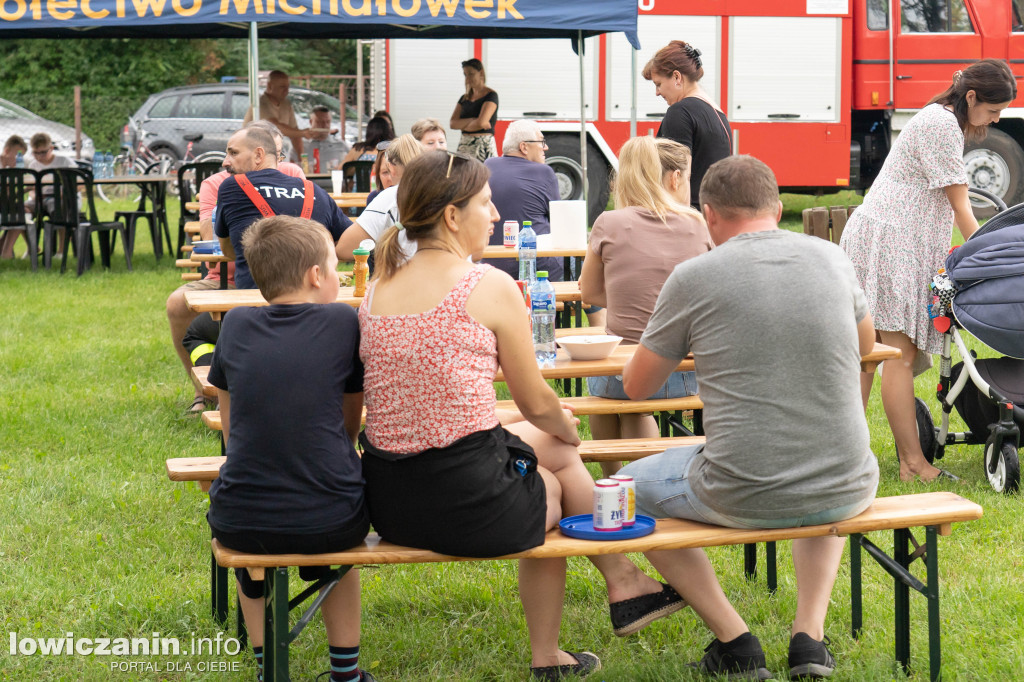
[
  {"x": 777, "y": 325},
  {"x": 291, "y": 399}
]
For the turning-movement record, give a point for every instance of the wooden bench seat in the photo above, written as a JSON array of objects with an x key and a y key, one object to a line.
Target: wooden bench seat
[
  {"x": 935, "y": 511},
  {"x": 192, "y": 227}
]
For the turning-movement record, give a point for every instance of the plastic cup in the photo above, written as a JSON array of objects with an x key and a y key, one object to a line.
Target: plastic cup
[{"x": 337, "y": 179}]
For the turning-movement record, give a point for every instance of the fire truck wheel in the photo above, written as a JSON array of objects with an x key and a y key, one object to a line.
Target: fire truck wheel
[
  {"x": 995, "y": 164},
  {"x": 563, "y": 156}
]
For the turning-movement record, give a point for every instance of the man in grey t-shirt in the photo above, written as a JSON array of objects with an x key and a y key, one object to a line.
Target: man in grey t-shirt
[{"x": 777, "y": 325}]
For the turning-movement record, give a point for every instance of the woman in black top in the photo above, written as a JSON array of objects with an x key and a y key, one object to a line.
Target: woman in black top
[
  {"x": 692, "y": 119},
  {"x": 476, "y": 113}
]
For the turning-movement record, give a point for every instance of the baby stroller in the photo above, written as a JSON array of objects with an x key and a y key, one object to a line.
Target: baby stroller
[{"x": 982, "y": 291}]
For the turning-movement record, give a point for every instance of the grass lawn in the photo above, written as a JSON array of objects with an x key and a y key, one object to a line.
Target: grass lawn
[{"x": 96, "y": 541}]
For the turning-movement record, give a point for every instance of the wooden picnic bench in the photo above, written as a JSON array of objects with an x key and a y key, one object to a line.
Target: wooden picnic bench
[{"x": 935, "y": 511}]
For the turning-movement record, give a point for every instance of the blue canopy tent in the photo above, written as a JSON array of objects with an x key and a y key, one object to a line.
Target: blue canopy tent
[{"x": 323, "y": 19}]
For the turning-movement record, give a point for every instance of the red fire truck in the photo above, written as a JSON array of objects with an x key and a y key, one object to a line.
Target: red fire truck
[{"x": 815, "y": 88}]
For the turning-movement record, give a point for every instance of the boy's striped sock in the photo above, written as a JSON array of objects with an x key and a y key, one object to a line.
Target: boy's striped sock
[
  {"x": 345, "y": 664},
  {"x": 258, "y": 653}
]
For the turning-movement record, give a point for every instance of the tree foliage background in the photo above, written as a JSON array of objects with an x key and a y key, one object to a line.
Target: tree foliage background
[{"x": 117, "y": 75}]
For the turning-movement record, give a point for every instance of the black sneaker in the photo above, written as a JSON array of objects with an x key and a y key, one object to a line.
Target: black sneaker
[
  {"x": 809, "y": 658},
  {"x": 740, "y": 659}
]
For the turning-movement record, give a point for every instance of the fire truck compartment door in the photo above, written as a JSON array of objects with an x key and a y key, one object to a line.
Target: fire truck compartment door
[
  {"x": 656, "y": 31},
  {"x": 785, "y": 68},
  {"x": 541, "y": 75}
]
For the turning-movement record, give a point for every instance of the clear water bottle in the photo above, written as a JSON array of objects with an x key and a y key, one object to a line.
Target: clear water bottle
[
  {"x": 108, "y": 165},
  {"x": 528, "y": 253},
  {"x": 97, "y": 165},
  {"x": 19, "y": 160},
  {"x": 542, "y": 307}
]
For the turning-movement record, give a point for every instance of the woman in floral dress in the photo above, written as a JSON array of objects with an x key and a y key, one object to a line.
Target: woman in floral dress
[{"x": 899, "y": 238}]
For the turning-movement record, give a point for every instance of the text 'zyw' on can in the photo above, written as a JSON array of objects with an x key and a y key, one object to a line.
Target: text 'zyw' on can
[
  {"x": 607, "y": 505},
  {"x": 627, "y": 495},
  {"x": 510, "y": 233}
]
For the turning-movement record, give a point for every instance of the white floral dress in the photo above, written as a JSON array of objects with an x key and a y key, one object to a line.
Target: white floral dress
[{"x": 898, "y": 239}]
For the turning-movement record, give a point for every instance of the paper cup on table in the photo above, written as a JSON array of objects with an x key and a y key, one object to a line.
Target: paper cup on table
[
  {"x": 337, "y": 180},
  {"x": 568, "y": 224}
]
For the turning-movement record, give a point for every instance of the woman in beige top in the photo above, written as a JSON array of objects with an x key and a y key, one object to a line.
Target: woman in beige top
[{"x": 632, "y": 251}]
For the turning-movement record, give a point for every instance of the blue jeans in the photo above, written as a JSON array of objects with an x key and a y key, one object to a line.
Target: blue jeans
[
  {"x": 663, "y": 490},
  {"x": 679, "y": 385}
]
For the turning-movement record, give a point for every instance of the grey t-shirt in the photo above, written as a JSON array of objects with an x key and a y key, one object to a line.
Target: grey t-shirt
[{"x": 771, "y": 318}]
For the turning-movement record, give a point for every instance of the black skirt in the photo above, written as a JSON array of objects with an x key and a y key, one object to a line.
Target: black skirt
[{"x": 479, "y": 497}]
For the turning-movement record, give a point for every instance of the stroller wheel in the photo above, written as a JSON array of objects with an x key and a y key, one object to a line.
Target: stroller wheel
[
  {"x": 1002, "y": 468},
  {"x": 926, "y": 430}
]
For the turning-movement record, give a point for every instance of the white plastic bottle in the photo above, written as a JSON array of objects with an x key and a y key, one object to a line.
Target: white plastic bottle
[
  {"x": 528, "y": 253},
  {"x": 542, "y": 308}
]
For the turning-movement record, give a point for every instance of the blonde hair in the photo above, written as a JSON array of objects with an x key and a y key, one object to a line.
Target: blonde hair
[
  {"x": 281, "y": 249},
  {"x": 403, "y": 150},
  {"x": 424, "y": 126},
  {"x": 643, "y": 162}
]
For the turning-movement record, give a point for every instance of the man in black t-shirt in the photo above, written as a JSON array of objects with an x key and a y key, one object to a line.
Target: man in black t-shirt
[{"x": 252, "y": 152}]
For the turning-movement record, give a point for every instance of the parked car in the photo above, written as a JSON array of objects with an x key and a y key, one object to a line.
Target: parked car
[
  {"x": 168, "y": 120},
  {"x": 15, "y": 120}
]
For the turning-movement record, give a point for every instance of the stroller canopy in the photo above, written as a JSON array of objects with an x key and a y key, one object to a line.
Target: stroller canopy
[{"x": 988, "y": 273}]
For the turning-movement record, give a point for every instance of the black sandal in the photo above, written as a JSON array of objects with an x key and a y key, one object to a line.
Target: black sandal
[
  {"x": 585, "y": 664},
  {"x": 633, "y": 615},
  {"x": 197, "y": 407}
]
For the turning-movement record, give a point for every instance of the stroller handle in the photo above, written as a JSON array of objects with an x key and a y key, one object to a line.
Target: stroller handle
[{"x": 987, "y": 196}]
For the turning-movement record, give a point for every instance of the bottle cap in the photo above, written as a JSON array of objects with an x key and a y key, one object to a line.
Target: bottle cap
[
  {"x": 361, "y": 252},
  {"x": 527, "y": 223},
  {"x": 542, "y": 274}
]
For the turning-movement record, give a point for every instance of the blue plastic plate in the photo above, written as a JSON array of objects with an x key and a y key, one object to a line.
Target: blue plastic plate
[{"x": 582, "y": 527}]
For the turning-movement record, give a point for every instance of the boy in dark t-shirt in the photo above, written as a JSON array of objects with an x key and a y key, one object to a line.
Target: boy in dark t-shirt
[{"x": 290, "y": 384}]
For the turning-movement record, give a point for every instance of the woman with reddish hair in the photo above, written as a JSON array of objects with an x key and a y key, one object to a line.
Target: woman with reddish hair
[{"x": 692, "y": 118}]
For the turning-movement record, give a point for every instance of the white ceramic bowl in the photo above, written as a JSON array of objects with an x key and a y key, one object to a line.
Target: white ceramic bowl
[{"x": 589, "y": 346}]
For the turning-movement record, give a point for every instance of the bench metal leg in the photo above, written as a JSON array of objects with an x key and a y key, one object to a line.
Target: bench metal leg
[
  {"x": 276, "y": 637},
  {"x": 898, "y": 566},
  {"x": 931, "y": 562},
  {"x": 770, "y": 567},
  {"x": 750, "y": 561},
  {"x": 856, "y": 603},
  {"x": 901, "y": 601},
  {"x": 276, "y": 634},
  {"x": 218, "y": 591}
]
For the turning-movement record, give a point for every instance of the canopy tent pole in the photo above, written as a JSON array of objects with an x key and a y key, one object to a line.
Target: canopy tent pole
[
  {"x": 583, "y": 123},
  {"x": 254, "y": 71},
  {"x": 632, "y": 95},
  {"x": 360, "y": 88}
]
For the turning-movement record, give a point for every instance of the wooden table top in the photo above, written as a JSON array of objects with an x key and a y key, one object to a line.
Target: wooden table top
[
  {"x": 505, "y": 252},
  {"x": 135, "y": 179},
  {"x": 220, "y": 301},
  {"x": 567, "y": 368},
  {"x": 344, "y": 200}
]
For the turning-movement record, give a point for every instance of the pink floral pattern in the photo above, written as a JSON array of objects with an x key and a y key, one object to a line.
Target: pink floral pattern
[
  {"x": 899, "y": 238},
  {"x": 429, "y": 377}
]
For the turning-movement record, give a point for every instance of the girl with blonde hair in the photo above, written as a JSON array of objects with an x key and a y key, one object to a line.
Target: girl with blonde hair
[{"x": 632, "y": 251}]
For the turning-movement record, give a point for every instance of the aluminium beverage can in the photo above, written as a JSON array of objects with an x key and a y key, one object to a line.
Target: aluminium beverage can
[
  {"x": 510, "y": 234},
  {"x": 627, "y": 488},
  {"x": 607, "y": 505}
]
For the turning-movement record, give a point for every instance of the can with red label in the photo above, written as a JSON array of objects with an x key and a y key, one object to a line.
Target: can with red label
[
  {"x": 510, "y": 234},
  {"x": 607, "y": 505},
  {"x": 627, "y": 488},
  {"x": 524, "y": 288}
]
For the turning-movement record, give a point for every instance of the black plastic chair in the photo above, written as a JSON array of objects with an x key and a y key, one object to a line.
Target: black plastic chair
[
  {"x": 78, "y": 232},
  {"x": 357, "y": 175},
  {"x": 13, "y": 187},
  {"x": 190, "y": 176},
  {"x": 155, "y": 196}
]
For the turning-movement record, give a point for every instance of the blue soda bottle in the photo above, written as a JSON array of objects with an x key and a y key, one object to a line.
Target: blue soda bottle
[
  {"x": 542, "y": 308},
  {"x": 528, "y": 253}
]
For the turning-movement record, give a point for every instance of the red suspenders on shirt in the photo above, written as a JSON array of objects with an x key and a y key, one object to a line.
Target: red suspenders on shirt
[{"x": 257, "y": 199}]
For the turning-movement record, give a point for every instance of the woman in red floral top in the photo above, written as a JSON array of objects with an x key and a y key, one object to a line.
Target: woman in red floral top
[{"x": 442, "y": 472}]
